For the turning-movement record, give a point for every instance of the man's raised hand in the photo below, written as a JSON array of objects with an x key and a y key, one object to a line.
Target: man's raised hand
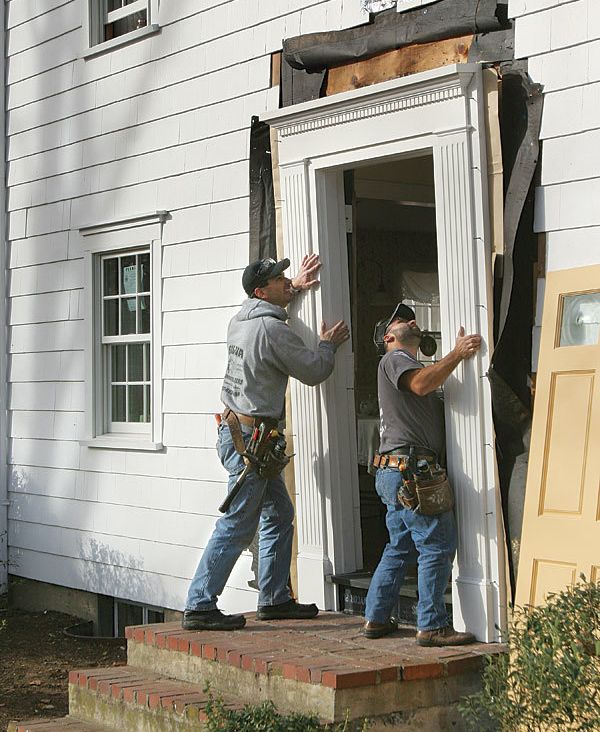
[
  {"x": 466, "y": 345},
  {"x": 337, "y": 334},
  {"x": 307, "y": 274}
]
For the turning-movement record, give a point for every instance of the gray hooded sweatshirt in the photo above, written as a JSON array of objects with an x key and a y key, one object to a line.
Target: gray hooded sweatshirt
[{"x": 262, "y": 353}]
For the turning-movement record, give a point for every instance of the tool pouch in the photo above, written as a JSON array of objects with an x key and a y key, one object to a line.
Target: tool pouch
[
  {"x": 274, "y": 459},
  {"x": 407, "y": 495},
  {"x": 434, "y": 495}
]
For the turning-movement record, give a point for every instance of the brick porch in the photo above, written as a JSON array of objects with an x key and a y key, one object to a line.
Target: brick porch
[{"x": 322, "y": 666}]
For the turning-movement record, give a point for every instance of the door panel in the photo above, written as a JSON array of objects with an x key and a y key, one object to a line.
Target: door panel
[{"x": 561, "y": 525}]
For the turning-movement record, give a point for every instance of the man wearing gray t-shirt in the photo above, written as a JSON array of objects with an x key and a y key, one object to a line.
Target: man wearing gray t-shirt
[{"x": 412, "y": 427}]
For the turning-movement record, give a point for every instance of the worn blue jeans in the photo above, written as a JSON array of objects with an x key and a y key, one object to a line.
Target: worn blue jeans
[
  {"x": 431, "y": 540},
  {"x": 262, "y": 504}
]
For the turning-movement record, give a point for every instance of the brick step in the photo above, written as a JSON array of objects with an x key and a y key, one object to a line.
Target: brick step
[
  {"x": 128, "y": 698},
  {"x": 56, "y": 724},
  {"x": 323, "y": 666}
]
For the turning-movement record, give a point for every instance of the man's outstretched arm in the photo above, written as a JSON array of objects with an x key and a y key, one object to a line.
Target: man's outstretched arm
[{"x": 423, "y": 381}]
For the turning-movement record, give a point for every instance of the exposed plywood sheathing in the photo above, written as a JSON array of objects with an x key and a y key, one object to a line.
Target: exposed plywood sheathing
[{"x": 397, "y": 63}]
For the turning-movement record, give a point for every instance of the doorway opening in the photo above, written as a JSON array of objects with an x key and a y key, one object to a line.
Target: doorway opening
[{"x": 392, "y": 258}]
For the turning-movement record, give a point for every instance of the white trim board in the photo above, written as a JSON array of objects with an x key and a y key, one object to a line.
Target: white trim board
[{"x": 438, "y": 112}]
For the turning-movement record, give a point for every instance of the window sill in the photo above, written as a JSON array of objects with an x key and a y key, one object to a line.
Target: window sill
[
  {"x": 123, "y": 442},
  {"x": 123, "y": 40}
]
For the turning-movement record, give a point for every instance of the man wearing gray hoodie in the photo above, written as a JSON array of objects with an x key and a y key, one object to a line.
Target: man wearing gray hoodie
[{"x": 263, "y": 352}]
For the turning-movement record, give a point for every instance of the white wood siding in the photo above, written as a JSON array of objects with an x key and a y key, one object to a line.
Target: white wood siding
[
  {"x": 162, "y": 123},
  {"x": 561, "y": 38}
]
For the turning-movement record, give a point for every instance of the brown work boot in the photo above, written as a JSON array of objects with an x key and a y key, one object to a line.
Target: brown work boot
[
  {"x": 378, "y": 630},
  {"x": 444, "y": 637}
]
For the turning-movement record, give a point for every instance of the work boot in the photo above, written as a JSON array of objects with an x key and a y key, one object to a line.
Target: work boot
[
  {"x": 290, "y": 610},
  {"x": 373, "y": 630},
  {"x": 444, "y": 637},
  {"x": 211, "y": 620}
]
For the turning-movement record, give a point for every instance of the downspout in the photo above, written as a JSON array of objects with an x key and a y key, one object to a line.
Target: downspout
[{"x": 3, "y": 327}]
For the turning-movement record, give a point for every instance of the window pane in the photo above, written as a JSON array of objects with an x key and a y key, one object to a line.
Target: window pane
[
  {"x": 136, "y": 404},
  {"x": 118, "y": 363},
  {"x": 144, "y": 273},
  {"x": 125, "y": 25},
  {"x": 111, "y": 317},
  {"x": 144, "y": 302},
  {"x": 136, "y": 362},
  {"x": 127, "y": 315},
  {"x": 147, "y": 404},
  {"x": 128, "y": 270},
  {"x": 118, "y": 404},
  {"x": 580, "y": 324},
  {"x": 147, "y": 364},
  {"x": 111, "y": 276}
]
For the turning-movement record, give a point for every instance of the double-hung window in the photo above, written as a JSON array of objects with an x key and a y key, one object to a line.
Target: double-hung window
[
  {"x": 126, "y": 340},
  {"x": 112, "y": 22},
  {"x": 123, "y": 354}
]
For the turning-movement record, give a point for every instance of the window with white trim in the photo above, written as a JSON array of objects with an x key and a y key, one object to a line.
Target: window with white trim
[
  {"x": 123, "y": 371},
  {"x": 126, "y": 338},
  {"x": 112, "y": 19}
]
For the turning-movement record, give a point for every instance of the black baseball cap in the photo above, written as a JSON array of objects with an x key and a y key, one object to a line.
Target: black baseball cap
[
  {"x": 260, "y": 272},
  {"x": 401, "y": 312}
]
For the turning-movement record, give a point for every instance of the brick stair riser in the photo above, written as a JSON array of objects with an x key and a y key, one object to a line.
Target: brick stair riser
[
  {"x": 331, "y": 705},
  {"x": 119, "y": 715}
]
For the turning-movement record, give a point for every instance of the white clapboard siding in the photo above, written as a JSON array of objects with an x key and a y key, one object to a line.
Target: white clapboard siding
[
  {"x": 46, "y": 366},
  {"x": 44, "y": 453},
  {"x": 209, "y": 255},
  {"x": 170, "y": 494},
  {"x": 62, "y": 396},
  {"x": 206, "y": 326},
  {"x": 66, "y": 335},
  {"x": 575, "y": 157},
  {"x": 165, "y": 527},
  {"x": 192, "y": 430},
  {"x": 38, "y": 250},
  {"x": 117, "y": 551},
  {"x": 206, "y": 361},
  {"x": 161, "y": 124},
  {"x": 573, "y": 248},
  {"x": 47, "y": 425},
  {"x": 22, "y": 11},
  {"x": 194, "y": 396},
  {"x": 46, "y": 278},
  {"x": 562, "y": 43},
  {"x": 523, "y": 7},
  {"x": 131, "y": 584},
  {"x": 583, "y": 103},
  {"x": 160, "y": 149},
  {"x": 220, "y": 289}
]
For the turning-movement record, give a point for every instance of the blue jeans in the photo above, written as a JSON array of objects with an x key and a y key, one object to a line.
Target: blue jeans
[
  {"x": 429, "y": 539},
  {"x": 262, "y": 504}
]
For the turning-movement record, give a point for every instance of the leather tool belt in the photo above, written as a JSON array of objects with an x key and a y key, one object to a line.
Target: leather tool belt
[
  {"x": 265, "y": 452},
  {"x": 425, "y": 487}
]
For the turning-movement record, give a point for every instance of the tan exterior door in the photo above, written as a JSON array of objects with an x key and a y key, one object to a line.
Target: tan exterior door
[{"x": 561, "y": 528}]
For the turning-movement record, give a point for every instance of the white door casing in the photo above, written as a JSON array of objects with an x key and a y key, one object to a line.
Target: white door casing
[{"x": 438, "y": 112}]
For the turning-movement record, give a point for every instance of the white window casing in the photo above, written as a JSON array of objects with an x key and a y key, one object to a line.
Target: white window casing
[
  {"x": 123, "y": 320},
  {"x": 99, "y": 15}
]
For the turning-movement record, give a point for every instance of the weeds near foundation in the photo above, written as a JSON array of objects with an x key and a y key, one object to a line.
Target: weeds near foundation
[
  {"x": 265, "y": 718},
  {"x": 550, "y": 678}
]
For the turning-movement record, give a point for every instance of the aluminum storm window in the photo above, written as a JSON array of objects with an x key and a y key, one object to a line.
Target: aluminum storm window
[{"x": 125, "y": 286}]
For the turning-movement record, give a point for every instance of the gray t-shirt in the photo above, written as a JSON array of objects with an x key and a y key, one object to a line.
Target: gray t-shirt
[{"x": 407, "y": 419}]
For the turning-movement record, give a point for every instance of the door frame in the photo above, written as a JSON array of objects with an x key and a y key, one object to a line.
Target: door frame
[{"x": 440, "y": 112}]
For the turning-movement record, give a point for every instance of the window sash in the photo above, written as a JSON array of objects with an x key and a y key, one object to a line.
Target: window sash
[
  {"x": 127, "y": 10},
  {"x": 107, "y": 342}
]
